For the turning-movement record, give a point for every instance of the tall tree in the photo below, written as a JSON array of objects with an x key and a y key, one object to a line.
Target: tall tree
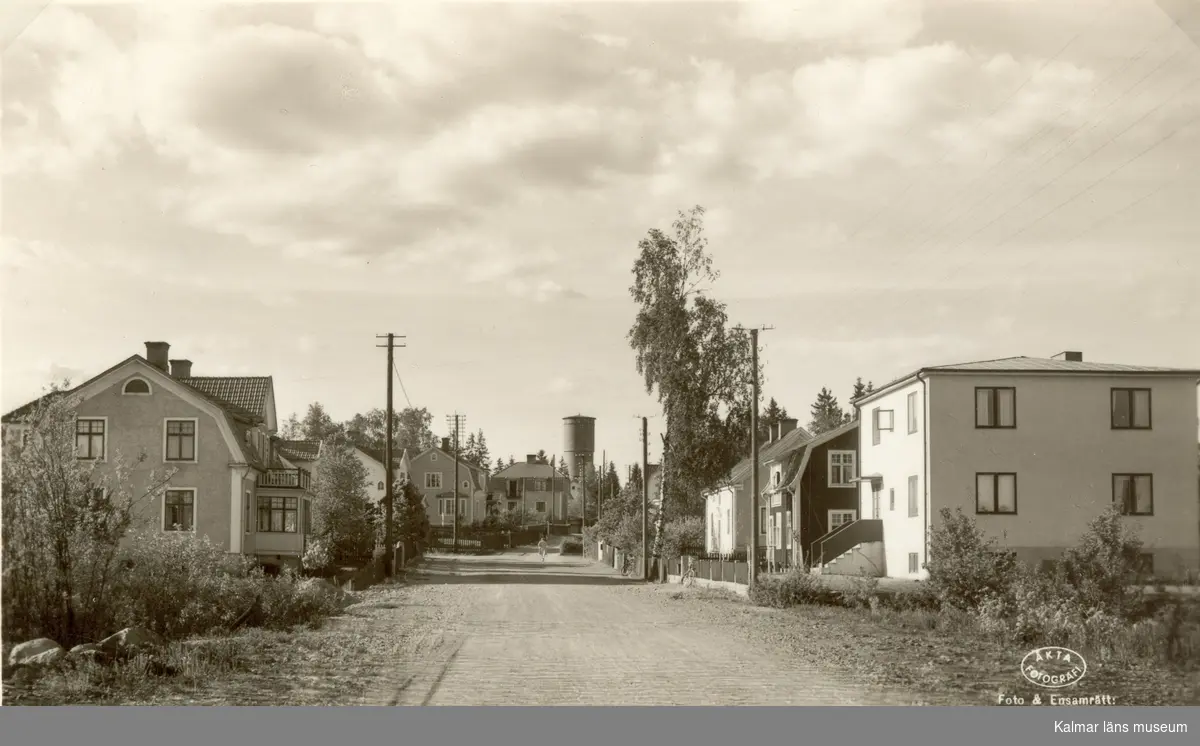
[
  {"x": 482, "y": 455},
  {"x": 541, "y": 457},
  {"x": 411, "y": 430},
  {"x": 687, "y": 354},
  {"x": 771, "y": 416},
  {"x": 499, "y": 465},
  {"x": 317, "y": 424},
  {"x": 341, "y": 506},
  {"x": 827, "y": 414},
  {"x": 410, "y": 520},
  {"x": 291, "y": 429}
]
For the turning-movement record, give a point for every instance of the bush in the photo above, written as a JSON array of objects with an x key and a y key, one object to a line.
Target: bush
[
  {"x": 680, "y": 534},
  {"x": 793, "y": 589},
  {"x": 965, "y": 568},
  {"x": 571, "y": 545},
  {"x": 1102, "y": 571},
  {"x": 317, "y": 556}
]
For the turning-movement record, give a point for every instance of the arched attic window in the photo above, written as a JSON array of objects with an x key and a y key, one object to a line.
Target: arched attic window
[
  {"x": 136, "y": 386},
  {"x": 381, "y": 485}
]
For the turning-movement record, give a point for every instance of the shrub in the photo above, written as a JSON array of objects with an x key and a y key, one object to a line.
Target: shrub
[
  {"x": 317, "y": 556},
  {"x": 863, "y": 592},
  {"x": 965, "y": 567},
  {"x": 571, "y": 545},
  {"x": 793, "y": 589},
  {"x": 1102, "y": 571},
  {"x": 288, "y": 600},
  {"x": 680, "y": 534}
]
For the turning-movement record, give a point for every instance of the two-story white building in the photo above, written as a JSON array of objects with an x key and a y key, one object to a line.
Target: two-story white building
[{"x": 1033, "y": 449}]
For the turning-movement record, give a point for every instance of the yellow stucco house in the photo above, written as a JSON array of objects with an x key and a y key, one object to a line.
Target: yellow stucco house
[{"x": 234, "y": 480}]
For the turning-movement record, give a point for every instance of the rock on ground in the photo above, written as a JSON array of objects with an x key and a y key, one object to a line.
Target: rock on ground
[
  {"x": 27, "y": 651},
  {"x": 130, "y": 639}
]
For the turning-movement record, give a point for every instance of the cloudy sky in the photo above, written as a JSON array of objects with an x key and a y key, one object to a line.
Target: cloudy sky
[{"x": 889, "y": 183}]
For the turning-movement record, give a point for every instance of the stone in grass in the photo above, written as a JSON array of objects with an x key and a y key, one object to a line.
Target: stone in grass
[
  {"x": 26, "y": 652},
  {"x": 86, "y": 651},
  {"x": 129, "y": 640}
]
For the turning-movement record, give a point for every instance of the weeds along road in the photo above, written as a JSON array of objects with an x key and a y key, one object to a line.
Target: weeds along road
[{"x": 509, "y": 629}]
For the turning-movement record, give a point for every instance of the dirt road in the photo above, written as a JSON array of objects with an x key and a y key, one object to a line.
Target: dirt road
[{"x": 511, "y": 629}]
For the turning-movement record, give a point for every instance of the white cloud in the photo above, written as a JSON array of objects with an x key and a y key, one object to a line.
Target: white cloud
[{"x": 861, "y": 23}]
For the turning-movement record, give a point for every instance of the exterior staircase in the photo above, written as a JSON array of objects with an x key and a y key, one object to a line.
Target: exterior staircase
[{"x": 833, "y": 553}]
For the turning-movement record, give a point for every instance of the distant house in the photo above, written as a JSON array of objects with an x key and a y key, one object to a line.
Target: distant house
[
  {"x": 433, "y": 473},
  {"x": 727, "y": 508},
  {"x": 532, "y": 487},
  {"x": 1033, "y": 449},
  {"x": 234, "y": 480},
  {"x": 375, "y": 463},
  {"x": 817, "y": 483}
]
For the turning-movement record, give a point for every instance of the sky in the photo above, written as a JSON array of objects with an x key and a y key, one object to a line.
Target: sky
[{"x": 888, "y": 184}]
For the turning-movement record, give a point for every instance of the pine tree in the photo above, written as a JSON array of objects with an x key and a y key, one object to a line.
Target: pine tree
[
  {"x": 771, "y": 416},
  {"x": 826, "y": 413},
  {"x": 470, "y": 452},
  {"x": 482, "y": 455},
  {"x": 860, "y": 389},
  {"x": 499, "y": 465}
]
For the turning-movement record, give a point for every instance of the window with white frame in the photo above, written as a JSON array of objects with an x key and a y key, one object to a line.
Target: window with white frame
[
  {"x": 248, "y": 510},
  {"x": 914, "y": 501},
  {"x": 381, "y": 486},
  {"x": 278, "y": 515},
  {"x": 762, "y": 520},
  {"x": 841, "y": 468},
  {"x": 789, "y": 530},
  {"x": 778, "y": 527},
  {"x": 466, "y": 485},
  {"x": 912, "y": 412},
  {"x": 90, "y": 433},
  {"x": 180, "y": 440},
  {"x": 914, "y": 563},
  {"x": 179, "y": 510},
  {"x": 433, "y": 480},
  {"x": 446, "y": 506},
  {"x": 840, "y": 517}
]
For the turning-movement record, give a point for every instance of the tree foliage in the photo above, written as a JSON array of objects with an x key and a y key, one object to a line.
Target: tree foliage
[
  {"x": 63, "y": 523},
  {"x": 342, "y": 510},
  {"x": 318, "y": 425},
  {"x": 827, "y": 414},
  {"x": 411, "y": 430},
  {"x": 410, "y": 519},
  {"x": 690, "y": 358}
]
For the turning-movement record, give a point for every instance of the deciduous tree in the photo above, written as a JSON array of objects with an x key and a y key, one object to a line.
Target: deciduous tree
[{"x": 341, "y": 507}]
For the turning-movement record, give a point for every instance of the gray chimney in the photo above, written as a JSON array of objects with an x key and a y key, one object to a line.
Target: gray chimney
[
  {"x": 156, "y": 354},
  {"x": 531, "y": 458},
  {"x": 786, "y": 426},
  {"x": 1070, "y": 356},
  {"x": 181, "y": 369},
  {"x": 446, "y": 445}
]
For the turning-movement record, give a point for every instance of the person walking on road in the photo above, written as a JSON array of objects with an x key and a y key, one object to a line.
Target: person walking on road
[{"x": 542, "y": 548}]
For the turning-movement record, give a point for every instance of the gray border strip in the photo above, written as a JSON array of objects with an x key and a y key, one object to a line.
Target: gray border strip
[{"x": 582, "y": 726}]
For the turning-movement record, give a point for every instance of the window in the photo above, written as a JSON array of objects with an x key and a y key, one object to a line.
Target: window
[
  {"x": 462, "y": 507},
  {"x": 1134, "y": 493},
  {"x": 913, "y": 501},
  {"x": 728, "y": 519},
  {"x": 466, "y": 484},
  {"x": 433, "y": 480},
  {"x": 995, "y": 408},
  {"x": 446, "y": 506},
  {"x": 381, "y": 486},
  {"x": 179, "y": 510},
  {"x": 875, "y": 426},
  {"x": 841, "y": 517},
  {"x": 891, "y": 498},
  {"x": 762, "y": 521},
  {"x": 433, "y": 457},
  {"x": 841, "y": 468},
  {"x": 402, "y": 476},
  {"x": 181, "y": 440},
  {"x": 539, "y": 507},
  {"x": 512, "y": 505},
  {"x": 913, "y": 563},
  {"x": 137, "y": 386},
  {"x": 788, "y": 532},
  {"x": 996, "y": 493},
  {"x": 1131, "y": 409},
  {"x": 912, "y": 412},
  {"x": 248, "y": 519},
  {"x": 778, "y": 530},
  {"x": 308, "y": 516},
  {"x": 277, "y": 515},
  {"x": 89, "y": 438}
]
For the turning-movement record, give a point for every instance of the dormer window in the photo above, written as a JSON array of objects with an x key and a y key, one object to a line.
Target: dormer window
[{"x": 137, "y": 387}]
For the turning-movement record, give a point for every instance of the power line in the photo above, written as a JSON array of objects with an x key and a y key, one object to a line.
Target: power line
[
  {"x": 1063, "y": 147},
  {"x": 402, "y": 389},
  {"x": 959, "y": 214},
  {"x": 1090, "y": 186},
  {"x": 906, "y": 190}
]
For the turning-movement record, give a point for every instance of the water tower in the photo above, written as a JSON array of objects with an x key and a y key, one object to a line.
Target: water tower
[{"x": 579, "y": 444}]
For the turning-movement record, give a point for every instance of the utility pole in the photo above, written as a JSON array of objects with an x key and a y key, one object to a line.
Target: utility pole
[
  {"x": 600, "y": 484},
  {"x": 752, "y": 555},
  {"x": 389, "y": 541},
  {"x": 456, "y": 422},
  {"x": 645, "y": 499}
]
